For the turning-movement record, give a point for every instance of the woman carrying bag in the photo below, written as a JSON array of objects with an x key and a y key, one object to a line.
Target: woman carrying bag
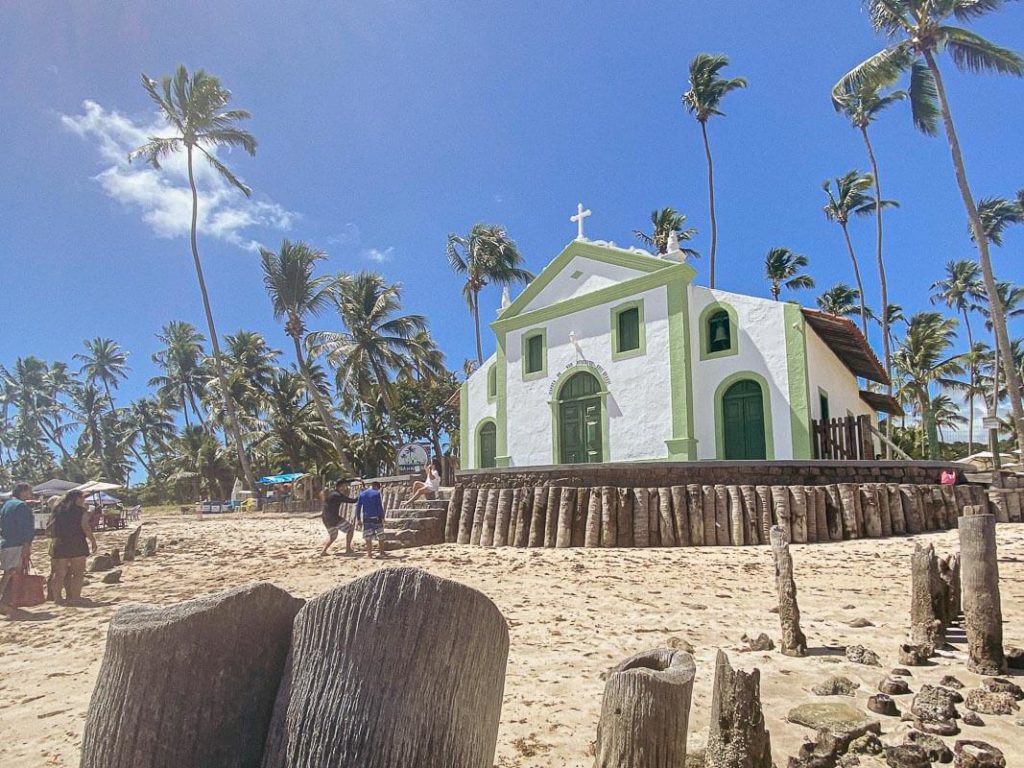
[{"x": 72, "y": 540}]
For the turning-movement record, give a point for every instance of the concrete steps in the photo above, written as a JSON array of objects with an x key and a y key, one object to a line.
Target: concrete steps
[{"x": 417, "y": 525}]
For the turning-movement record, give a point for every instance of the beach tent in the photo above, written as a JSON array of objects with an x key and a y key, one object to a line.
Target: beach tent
[
  {"x": 54, "y": 487},
  {"x": 290, "y": 477},
  {"x": 95, "y": 486},
  {"x": 983, "y": 459},
  {"x": 102, "y": 498}
]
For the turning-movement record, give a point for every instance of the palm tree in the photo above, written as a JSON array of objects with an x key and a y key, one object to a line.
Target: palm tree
[
  {"x": 946, "y": 414},
  {"x": 293, "y": 426},
  {"x": 962, "y": 291},
  {"x": 427, "y": 364},
  {"x": 851, "y": 198},
  {"x": 702, "y": 101},
  {"x": 919, "y": 31},
  {"x": 150, "y": 422},
  {"x": 105, "y": 362},
  {"x": 922, "y": 359},
  {"x": 862, "y": 106},
  {"x": 182, "y": 360},
  {"x": 782, "y": 269},
  {"x": 839, "y": 300},
  {"x": 997, "y": 214},
  {"x": 296, "y": 294},
  {"x": 194, "y": 106},
  {"x": 487, "y": 255},
  {"x": 664, "y": 222}
]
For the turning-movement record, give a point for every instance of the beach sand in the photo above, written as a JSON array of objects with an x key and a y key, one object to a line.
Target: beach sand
[{"x": 571, "y": 613}]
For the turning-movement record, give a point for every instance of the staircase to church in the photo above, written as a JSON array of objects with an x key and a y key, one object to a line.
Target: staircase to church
[{"x": 419, "y": 524}]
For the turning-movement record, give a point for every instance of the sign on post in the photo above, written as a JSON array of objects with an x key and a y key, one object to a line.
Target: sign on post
[
  {"x": 990, "y": 422},
  {"x": 412, "y": 457}
]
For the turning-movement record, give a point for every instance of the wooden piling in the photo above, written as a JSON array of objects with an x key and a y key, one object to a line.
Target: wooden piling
[
  {"x": 466, "y": 515},
  {"x": 751, "y": 516},
  {"x": 695, "y": 509},
  {"x": 579, "y": 517},
  {"x": 737, "y": 530},
  {"x": 538, "y": 517},
  {"x": 653, "y": 518},
  {"x": 609, "y": 517},
  {"x": 680, "y": 515},
  {"x": 624, "y": 537},
  {"x": 566, "y": 510},
  {"x": 781, "y": 514},
  {"x": 641, "y": 530},
  {"x": 798, "y": 514},
  {"x": 764, "y": 510},
  {"x": 722, "y": 535},
  {"x": 709, "y": 504},
  {"x": 592, "y": 530},
  {"x": 665, "y": 519},
  {"x": 551, "y": 521},
  {"x": 872, "y": 514},
  {"x": 524, "y": 519},
  {"x": 811, "y": 502},
  {"x": 979, "y": 575}
]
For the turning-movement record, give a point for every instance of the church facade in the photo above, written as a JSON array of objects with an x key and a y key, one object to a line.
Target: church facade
[{"x": 614, "y": 354}]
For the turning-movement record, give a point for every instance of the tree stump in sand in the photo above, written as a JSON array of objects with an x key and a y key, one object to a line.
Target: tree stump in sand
[
  {"x": 592, "y": 531},
  {"x": 949, "y": 572},
  {"x": 793, "y": 641},
  {"x": 709, "y": 502},
  {"x": 645, "y": 711},
  {"x": 798, "y": 514},
  {"x": 666, "y": 522},
  {"x": 979, "y": 577},
  {"x": 737, "y": 737},
  {"x": 566, "y": 510},
  {"x": 466, "y": 515},
  {"x": 503, "y": 516},
  {"x": 609, "y": 517},
  {"x": 926, "y": 608},
  {"x": 641, "y": 522},
  {"x": 737, "y": 529},
  {"x": 131, "y": 547},
  {"x": 680, "y": 515},
  {"x": 624, "y": 512},
  {"x": 538, "y": 517},
  {"x": 192, "y": 684},
  {"x": 695, "y": 509},
  {"x": 398, "y": 668},
  {"x": 451, "y": 521}
]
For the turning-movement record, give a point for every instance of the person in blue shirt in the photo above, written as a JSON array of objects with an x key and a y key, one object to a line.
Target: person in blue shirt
[
  {"x": 370, "y": 518},
  {"x": 17, "y": 529}
]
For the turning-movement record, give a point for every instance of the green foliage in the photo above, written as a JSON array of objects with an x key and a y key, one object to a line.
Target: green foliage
[{"x": 782, "y": 269}]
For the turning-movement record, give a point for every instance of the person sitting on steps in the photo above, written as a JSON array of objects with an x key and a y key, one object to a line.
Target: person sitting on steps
[{"x": 430, "y": 486}]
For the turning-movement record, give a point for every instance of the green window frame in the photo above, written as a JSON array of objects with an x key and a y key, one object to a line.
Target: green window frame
[
  {"x": 824, "y": 412},
  {"x": 712, "y": 316},
  {"x": 492, "y": 383},
  {"x": 623, "y": 335},
  {"x": 534, "y": 354},
  {"x": 490, "y": 425}
]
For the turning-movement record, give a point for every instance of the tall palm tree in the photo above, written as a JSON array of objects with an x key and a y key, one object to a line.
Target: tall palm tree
[
  {"x": 923, "y": 359},
  {"x": 664, "y": 222},
  {"x": 293, "y": 426},
  {"x": 182, "y": 360},
  {"x": 782, "y": 270},
  {"x": 840, "y": 300},
  {"x": 862, "y": 106},
  {"x": 150, "y": 422},
  {"x": 997, "y": 213},
  {"x": 919, "y": 33},
  {"x": 105, "y": 362},
  {"x": 851, "y": 198},
  {"x": 486, "y": 256},
  {"x": 296, "y": 294},
  {"x": 194, "y": 106},
  {"x": 427, "y": 365},
  {"x": 703, "y": 101},
  {"x": 962, "y": 291}
]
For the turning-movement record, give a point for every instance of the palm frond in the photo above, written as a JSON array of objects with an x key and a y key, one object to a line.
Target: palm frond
[
  {"x": 974, "y": 53},
  {"x": 970, "y": 10},
  {"x": 877, "y": 72},
  {"x": 224, "y": 171},
  {"x": 924, "y": 99}
]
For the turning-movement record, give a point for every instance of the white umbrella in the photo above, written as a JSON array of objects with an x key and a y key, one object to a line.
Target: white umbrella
[{"x": 95, "y": 486}]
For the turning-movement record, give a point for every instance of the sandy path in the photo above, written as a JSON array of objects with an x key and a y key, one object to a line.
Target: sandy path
[{"x": 572, "y": 614}]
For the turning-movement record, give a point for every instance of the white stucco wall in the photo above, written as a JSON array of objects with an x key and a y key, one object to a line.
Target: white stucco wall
[
  {"x": 762, "y": 349},
  {"x": 596, "y": 275},
  {"x": 639, "y": 404},
  {"x": 479, "y": 409},
  {"x": 827, "y": 372}
]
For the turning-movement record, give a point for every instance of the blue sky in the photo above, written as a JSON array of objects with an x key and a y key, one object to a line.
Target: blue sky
[{"x": 383, "y": 126}]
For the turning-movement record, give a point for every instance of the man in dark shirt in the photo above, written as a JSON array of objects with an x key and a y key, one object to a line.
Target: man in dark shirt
[
  {"x": 333, "y": 519},
  {"x": 17, "y": 529},
  {"x": 370, "y": 518}
]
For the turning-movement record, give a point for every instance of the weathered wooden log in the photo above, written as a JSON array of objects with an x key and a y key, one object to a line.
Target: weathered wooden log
[
  {"x": 131, "y": 546},
  {"x": 737, "y": 737},
  {"x": 653, "y": 518},
  {"x": 949, "y": 572},
  {"x": 949, "y": 504},
  {"x": 834, "y": 513},
  {"x": 190, "y": 684},
  {"x": 811, "y": 502},
  {"x": 849, "y": 499},
  {"x": 964, "y": 497},
  {"x": 592, "y": 531},
  {"x": 764, "y": 509},
  {"x": 709, "y": 504},
  {"x": 872, "y": 514},
  {"x": 798, "y": 513},
  {"x": 466, "y": 514},
  {"x": 737, "y": 528},
  {"x": 507, "y": 502},
  {"x": 494, "y": 496},
  {"x": 821, "y": 510},
  {"x": 781, "y": 514},
  {"x": 609, "y": 517},
  {"x": 579, "y": 517},
  {"x": 979, "y": 578},
  {"x": 538, "y": 517},
  {"x": 695, "y": 508},
  {"x": 911, "y": 509},
  {"x": 926, "y": 603},
  {"x": 898, "y": 518},
  {"x": 566, "y": 510},
  {"x": 884, "y": 515},
  {"x": 483, "y": 498},
  {"x": 451, "y": 521},
  {"x": 524, "y": 519},
  {"x": 398, "y": 668},
  {"x": 641, "y": 522},
  {"x": 645, "y": 711},
  {"x": 751, "y": 517},
  {"x": 665, "y": 520},
  {"x": 927, "y": 505},
  {"x": 998, "y": 504},
  {"x": 793, "y": 641},
  {"x": 624, "y": 536},
  {"x": 722, "y": 533},
  {"x": 680, "y": 515},
  {"x": 551, "y": 522}
]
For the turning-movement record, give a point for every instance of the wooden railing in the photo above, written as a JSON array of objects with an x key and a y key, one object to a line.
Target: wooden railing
[{"x": 849, "y": 439}]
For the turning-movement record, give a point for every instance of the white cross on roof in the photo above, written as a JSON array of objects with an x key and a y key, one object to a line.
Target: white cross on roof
[{"x": 581, "y": 214}]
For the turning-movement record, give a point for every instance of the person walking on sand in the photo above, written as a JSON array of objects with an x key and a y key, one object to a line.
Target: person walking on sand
[
  {"x": 431, "y": 485},
  {"x": 370, "y": 518},
  {"x": 17, "y": 529},
  {"x": 73, "y": 539},
  {"x": 333, "y": 520}
]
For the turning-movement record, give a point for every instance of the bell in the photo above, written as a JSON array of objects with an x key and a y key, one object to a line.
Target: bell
[{"x": 721, "y": 335}]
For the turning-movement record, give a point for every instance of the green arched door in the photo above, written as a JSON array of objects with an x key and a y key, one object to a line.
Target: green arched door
[
  {"x": 488, "y": 445},
  {"x": 743, "y": 415},
  {"x": 579, "y": 420}
]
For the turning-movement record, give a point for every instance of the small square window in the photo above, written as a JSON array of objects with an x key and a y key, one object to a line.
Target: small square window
[
  {"x": 492, "y": 382},
  {"x": 628, "y": 330},
  {"x": 535, "y": 354}
]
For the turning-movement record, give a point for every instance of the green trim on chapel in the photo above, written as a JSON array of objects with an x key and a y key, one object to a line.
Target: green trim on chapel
[
  {"x": 682, "y": 446},
  {"x": 795, "y": 328},
  {"x": 523, "y": 356},
  {"x": 501, "y": 458},
  {"x": 556, "y": 432},
  {"x": 705, "y": 338},
  {"x": 766, "y": 404},
  {"x": 464, "y": 447},
  {"x": 618, "y": 309},
  {"x": 478, "y": 443}
]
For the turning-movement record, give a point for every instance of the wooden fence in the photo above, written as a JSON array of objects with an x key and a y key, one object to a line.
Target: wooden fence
[{"x": 848, "y": 438}]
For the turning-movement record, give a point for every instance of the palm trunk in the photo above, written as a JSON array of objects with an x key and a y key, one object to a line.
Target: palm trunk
[
  {"x": 711, "y": 204},
  {"x": 994, "y": 302},
  {"x": 776, "y": 291},
  {"x": 321, "y": 409},
  {"x": 974, "y": 376},
  {"x": 883, "y": 283},
  {"x": 856, "y": 276},
  {"x": 476, "y": 321},
  {"x": 231, "y": 423},
  {"x": 929, "y": 427}
]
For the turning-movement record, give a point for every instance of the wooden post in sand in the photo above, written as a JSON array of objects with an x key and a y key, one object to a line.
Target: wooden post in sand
[
  {"x": 798, "y": 513},
  {"x": 538, "y": 520},
  {"x": 709, "y": 503},
  {"x": 737, "y": 530},
  {"x": 872, "y": 515},
  {"x": 695, "y": 509},
  {"x": 781, "y": 509},
  {"x": 751, "y": 517},
  {"x": 466, "y": 515},
  {"x": 524, "y": 519},
  {"x": 793, "y": 641},
  {"x": 983, "y": 613},
  {"x": 494, "y": 501},
  {"x": 645, "y": 711},
  {"x": 641, "y": 534},
  {"x": 551, "y": 521},
  {"x": 834, "y": 513},
  {"x": 849, "y": 500},
  {"x": 811, "y": 500},
  {"x": 821, "y": 512},
  {"x": 609, "y": 517},
  {"x": 680, "y": 516},
  {"x": 665, "y": 520},
  {"x": 737, "y": 737},
  {"x": 722, "y": 535},
  {"x": 451, "y": 521},
  {"x": 229, "y": 654},
  {"x": 430, "y": 697},
  {"x": 506, "y": 497},
  {"x": 911, "y": 509},
  {"x": 764, "y": 510},
  {"x": 566, "y": 510},
  {"x": 926, "y": 627},
  {"x": 898, "y": 518},
  {"x": 579, "y": 519},
  {"x": 884, "y": 515},
  {"x": 592, "y": 531},
  {"x": 653, "y": 518},
  {"x": 483, "y": 497},
  {"x": 624, "y": 512},
  {"x": 999, "y": 505}
]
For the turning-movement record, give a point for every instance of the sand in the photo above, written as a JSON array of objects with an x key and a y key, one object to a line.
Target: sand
[{"x": 571, "y": 614}]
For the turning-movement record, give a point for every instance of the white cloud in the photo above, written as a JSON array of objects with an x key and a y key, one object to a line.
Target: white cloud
[
  {"x": 349, "y": 235},
  {"x": 378, "y": 255},
  {"x": 163, "y": 197}
]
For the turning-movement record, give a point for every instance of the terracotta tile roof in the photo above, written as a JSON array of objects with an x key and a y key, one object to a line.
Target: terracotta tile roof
[{"x": 848, "y": 344}]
